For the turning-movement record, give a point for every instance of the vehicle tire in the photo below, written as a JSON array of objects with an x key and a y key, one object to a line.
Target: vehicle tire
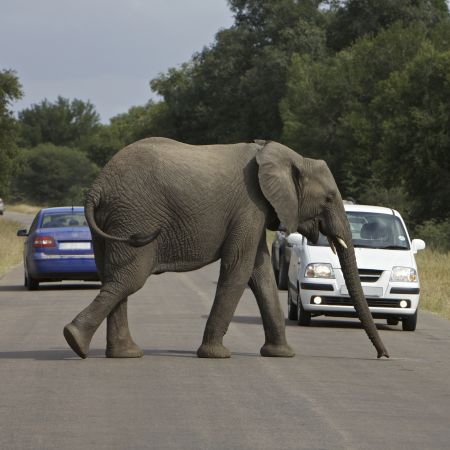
[
  {"x": 283, "y": 272},
  {"x": 409, "y": 323},
  {"x": 392, "y": 321},
  {"x": 304, "y": 317},
  {"x": 292, "y": 309},
  {"x": 30, "y": 283}
]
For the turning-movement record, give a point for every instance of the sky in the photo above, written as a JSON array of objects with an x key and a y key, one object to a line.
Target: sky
[{"x": 104, "y": 51}]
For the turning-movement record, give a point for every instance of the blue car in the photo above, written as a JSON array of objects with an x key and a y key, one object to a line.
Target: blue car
[{"x": 58, "y": 247}]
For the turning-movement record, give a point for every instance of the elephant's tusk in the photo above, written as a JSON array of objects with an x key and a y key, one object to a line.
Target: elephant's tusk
[
  {"x": 342, "y": 242},
  {"x": 333, "y": 248}
]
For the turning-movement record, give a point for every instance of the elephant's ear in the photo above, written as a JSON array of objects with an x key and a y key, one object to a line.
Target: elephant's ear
[{"x": 279, "y": 179}]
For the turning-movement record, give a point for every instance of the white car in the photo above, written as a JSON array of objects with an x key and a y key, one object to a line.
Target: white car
[
  {"x": 2, "y": 206},
  {"x": 386, "y": 263}
]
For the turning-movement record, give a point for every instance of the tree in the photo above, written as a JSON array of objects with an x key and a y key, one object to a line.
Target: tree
[
  {"x": 62, "y": 123},
  {"x": 138, "y": 123},
  {"x": 413, "y": 117},
  {"x": 55, "y": 175},
  {"x": 10, "y": 91},
  {"x": 326, "y": 111},
  {"x": 231, "y": 91},
  {"x": 353, "y": 19}
]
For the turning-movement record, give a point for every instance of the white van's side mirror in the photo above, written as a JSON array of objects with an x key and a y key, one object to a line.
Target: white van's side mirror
[
  {"x": 295, "y": 239},
  {"x": 418, "y": 244}
]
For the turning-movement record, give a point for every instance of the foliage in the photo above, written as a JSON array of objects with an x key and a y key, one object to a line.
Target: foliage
[
  {"x": 435, "y": 233},
  {"x": 55, "y": 175},
  {"x": 354, "y": 19},
  {"x": 62, "y": 123},
  {"x": 377, "y": 113},
  {"x": 10, "y": 91},
  {"x": 230, "y": 91},
  {"x": 138, "y": 123}
]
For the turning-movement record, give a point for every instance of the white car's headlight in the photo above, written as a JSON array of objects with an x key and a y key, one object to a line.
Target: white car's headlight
[
  {"x": 319, "y": 270},
  {"x": 403, "y": 274}
]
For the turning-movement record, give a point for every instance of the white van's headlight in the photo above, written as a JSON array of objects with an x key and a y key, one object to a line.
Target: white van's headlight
[
  {"x": 403, "y": 274},
  {"x": 319, "y": 270}
]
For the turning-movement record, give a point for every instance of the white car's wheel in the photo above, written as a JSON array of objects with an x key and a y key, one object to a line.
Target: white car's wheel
[
  {"x": 409, "y": 323},
  {"x": 304, "y": 317},
  {"x": 292, "y": 309}
]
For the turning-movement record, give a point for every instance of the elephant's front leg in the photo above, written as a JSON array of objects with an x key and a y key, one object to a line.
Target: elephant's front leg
[
  {"x": 262, "y": 283},
  {"x": 119, "y": 343},
  {"x": 232, "y": 281}
]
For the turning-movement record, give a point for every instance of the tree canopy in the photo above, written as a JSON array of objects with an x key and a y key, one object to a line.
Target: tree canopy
[
  {"x": 10, "y": 91},
  {"x": 63, "y": 122}
]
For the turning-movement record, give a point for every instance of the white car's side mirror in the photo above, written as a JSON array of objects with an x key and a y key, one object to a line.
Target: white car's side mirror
[
  {"x": 418, "y": 244},
  {"x": 295, "y": 239}
]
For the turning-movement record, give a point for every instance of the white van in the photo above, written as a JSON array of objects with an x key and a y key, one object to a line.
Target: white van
[{"x": 387, "y": 269}]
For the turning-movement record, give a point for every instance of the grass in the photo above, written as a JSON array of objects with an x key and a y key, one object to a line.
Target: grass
[
  {"x": 434, "y": 274},
  {"x": 11, "y": 246}
]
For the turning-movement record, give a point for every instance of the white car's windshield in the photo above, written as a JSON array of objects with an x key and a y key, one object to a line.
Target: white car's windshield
[{"x": 374, "y": 230}]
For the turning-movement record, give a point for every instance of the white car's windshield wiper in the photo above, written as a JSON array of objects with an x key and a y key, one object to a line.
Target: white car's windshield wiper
[{"x": 394, "y": 247}]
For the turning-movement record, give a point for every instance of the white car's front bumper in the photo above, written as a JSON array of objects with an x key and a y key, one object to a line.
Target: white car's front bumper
[{"x": 385, "y": 297}]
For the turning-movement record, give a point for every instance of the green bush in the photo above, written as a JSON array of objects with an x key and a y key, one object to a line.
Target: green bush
[
  {"x": 54, "y": 175},
  {"x": 436, "y": 234}
]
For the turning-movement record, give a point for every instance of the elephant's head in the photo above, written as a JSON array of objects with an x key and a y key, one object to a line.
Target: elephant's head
[{"x": 304, "y": 195}]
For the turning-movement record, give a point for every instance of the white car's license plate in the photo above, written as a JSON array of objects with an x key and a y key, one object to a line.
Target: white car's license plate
[
  {"x": 371, "y": 291},
  {"x": 75, "y": 246}
]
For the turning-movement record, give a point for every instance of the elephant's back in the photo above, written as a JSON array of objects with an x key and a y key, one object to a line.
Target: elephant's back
[{"x": 168, "y": 161}]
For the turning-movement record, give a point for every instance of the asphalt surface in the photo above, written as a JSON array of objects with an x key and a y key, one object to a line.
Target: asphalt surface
[
  {"x": 25, "y": 219},
  {"x": 334, "y": 394}
]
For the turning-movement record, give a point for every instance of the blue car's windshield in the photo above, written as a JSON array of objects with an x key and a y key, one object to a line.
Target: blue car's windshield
[
  {"x": 374, "y": 230},
  {"x": 69, "y": 219}
]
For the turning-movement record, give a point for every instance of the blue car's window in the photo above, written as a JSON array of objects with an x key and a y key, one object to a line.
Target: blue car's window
[
  {"x": 374, "y": 230},
  {"x": 75, "y": 219}
]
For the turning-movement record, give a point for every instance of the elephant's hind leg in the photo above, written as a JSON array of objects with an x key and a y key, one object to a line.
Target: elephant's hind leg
[
  {"x": 123, "y": 283},
  {"x": 119, "y": 343},
  {"x": 262, "y": 283}
]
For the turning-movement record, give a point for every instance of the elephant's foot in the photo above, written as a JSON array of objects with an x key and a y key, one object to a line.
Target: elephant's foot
[
  {"x": 127, "y": 349},
  {"x": 78, "y": 338},
  {"x": 280, "y": 350},
  {"x": 213, "y": 351}
]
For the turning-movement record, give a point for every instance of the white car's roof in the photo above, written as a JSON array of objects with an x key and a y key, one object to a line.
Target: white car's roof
[{"x": 371, "y": 209}]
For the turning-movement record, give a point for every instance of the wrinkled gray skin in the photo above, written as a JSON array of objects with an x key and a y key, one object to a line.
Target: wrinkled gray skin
[{"x": 160, "y": 205}]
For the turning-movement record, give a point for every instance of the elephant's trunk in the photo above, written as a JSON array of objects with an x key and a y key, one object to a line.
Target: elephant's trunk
[{"x": 350, "y": 270}]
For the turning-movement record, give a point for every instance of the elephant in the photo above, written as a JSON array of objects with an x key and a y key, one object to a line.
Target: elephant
[{"x": 160, "y": 205}]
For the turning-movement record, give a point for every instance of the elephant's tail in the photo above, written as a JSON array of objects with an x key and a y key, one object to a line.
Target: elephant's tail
[{"x": 135, "y": 240}]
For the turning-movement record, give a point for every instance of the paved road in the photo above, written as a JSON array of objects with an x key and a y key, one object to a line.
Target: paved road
[
  {"x": 333, "y": 395},
  {"x": 25, "y": 219}
]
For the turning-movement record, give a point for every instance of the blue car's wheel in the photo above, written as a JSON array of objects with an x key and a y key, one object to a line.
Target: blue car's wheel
[{"x": 30, "y": 283}]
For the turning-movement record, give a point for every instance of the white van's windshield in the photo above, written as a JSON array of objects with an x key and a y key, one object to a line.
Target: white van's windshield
[{"x": 374, "y": 230}]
